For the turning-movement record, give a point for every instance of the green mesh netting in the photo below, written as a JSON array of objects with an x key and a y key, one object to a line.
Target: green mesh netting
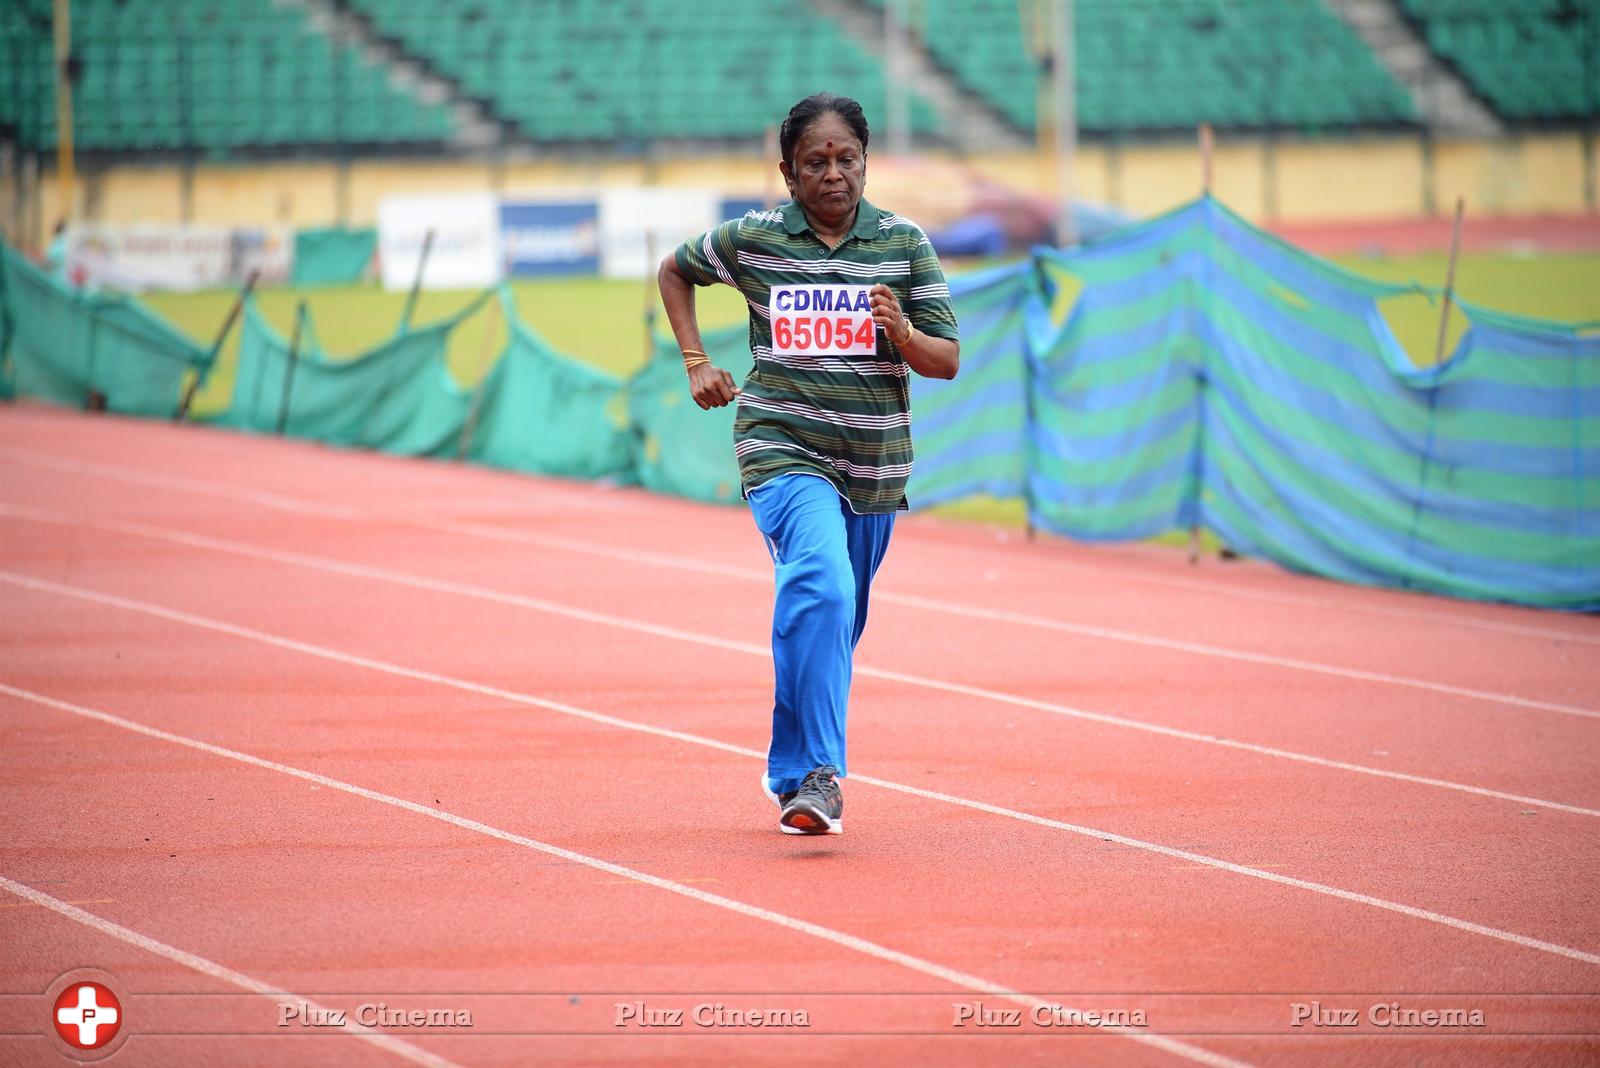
[
  {"x": 537, "y": 410},
  {"x": 398, "y": 396},
  {"x": 65, "y": 345},
  {"x": 333, "y": 254},
  {"x": 1212, "y": 375},
  {"x": 542, "y": 411},
  {"x": 1208, "y": 375},
  {"x": 678, "y": 448}
]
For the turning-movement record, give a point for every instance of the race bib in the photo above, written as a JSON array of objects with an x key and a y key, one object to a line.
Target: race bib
[{"x": 822, "y": 321}]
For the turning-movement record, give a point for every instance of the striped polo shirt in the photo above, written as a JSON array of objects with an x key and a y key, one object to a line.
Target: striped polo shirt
[{"x": 846, "y": 418}]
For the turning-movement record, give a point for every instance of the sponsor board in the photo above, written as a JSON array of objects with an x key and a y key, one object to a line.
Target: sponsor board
[
  {"x": 550, "y": 237},
  {"x": 639, "y": 226},
  {"x": 738, "y": 207},
  {"x": 466, "y": 240},
  {"x": 623, "y": 233},
  {"x": 141, "y": 257}
]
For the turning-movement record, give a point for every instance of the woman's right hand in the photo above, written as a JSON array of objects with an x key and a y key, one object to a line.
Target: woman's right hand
[{"x": 711, "y": 386}]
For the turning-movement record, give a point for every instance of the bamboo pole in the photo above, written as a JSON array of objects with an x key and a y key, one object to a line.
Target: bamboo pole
[
  {"x": 66, "y": 164},
  {"x": 1064, "y": 113},
  {"x": 216, "y": 346},
  {"x": 470, "y": 430},
  {"x": 1207, "y": 145},
  {"x": 416, "y": 283},
  {"x": 1449, "y": 280},
  {"x": 288, "y": 369},
  {"x": 649, "y": 308},
  {"x": 769, "y": 188}
]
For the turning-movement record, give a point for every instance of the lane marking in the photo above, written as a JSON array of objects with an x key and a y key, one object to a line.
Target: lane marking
[
  {"x": 202, "y": 541},
  {"x": 541, "y": 487},
  {"x": 931, "y": 604},
  {"x": 274, "y": 500},
  {"x": 543, "y": 494},
  {"x": 516, "y": 697},
  {"x": 1299, "y": 600},
  {"x": 265, "y": 498},
  {"x": 1268, "y": 659},
  {"x": 34, "y": 904},
  {"x": 756, "y": 912},
  {"x": 387, "y": 1043}
]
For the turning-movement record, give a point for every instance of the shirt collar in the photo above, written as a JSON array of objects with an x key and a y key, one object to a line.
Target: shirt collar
[{"x": 866, "y": 225}]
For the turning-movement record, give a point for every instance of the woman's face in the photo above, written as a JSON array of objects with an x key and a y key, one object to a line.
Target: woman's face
[{"x": 828, "y": 172}]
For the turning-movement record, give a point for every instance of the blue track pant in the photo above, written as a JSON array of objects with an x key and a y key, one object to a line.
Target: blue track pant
[{"x": 825, "y": 556}]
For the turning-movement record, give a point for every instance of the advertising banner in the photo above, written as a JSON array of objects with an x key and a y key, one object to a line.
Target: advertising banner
[
  {"x": 136, "y": 258},
  {"x": 736, "y": 207},
  {"x": 639, "y": 226},
  {"x": 466, "y": 240},
  {"x": 550, "y": 237}
]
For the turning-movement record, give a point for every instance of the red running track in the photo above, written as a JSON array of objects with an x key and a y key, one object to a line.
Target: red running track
[
  {"x": 290, "y": 725},
  {"x": 1549, "y": 234}
]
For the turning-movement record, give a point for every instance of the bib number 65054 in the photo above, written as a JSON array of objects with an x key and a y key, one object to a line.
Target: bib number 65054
[{"x": 810, "y": 320}]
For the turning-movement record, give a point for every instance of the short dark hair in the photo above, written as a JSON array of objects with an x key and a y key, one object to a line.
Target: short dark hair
[{"x": 812, "y": 108}]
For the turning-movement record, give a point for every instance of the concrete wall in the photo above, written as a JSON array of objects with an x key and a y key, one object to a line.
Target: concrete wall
[{"x": 1297, "y": 181}]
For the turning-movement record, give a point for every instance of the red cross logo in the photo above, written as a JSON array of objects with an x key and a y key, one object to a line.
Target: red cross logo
[{"x": 87, "y": 1015}]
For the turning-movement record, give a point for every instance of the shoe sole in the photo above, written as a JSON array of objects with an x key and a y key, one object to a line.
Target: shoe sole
[{"x": 809, "y": 821}]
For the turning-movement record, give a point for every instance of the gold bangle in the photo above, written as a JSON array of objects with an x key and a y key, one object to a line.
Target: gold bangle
[
  {"x": 693, "y": 352},
  {"x": 910, "y": 329},
  {"x": 694, "y": 358}
]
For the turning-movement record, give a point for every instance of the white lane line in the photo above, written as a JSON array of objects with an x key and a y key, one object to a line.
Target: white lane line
[
  {"x": 542, "y": 488},
  {"x": 756, "y": 912},
  {"x": 1013, "y": 557},
  {"x": 265, "y": 498},
  {"x": 1292, "y": 663},
  {"x": 931, "y": 604},
  {"x": 201, "y": 541},
  {"x": 387, "y": 1043},
  {"x": 749, "y": 574},
  {"x": 545, "y": 493},
  {"x": 689, "y": 563},
  {"x": 515, "y": 697}
]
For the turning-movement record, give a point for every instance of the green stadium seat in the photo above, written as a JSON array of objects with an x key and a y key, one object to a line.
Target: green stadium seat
[
  {"x": 207, "y": 73},
  {"x": 604, "y": 69},
  {"x": 201, "y": 74},
  {"x": 1528, "y": 59}
]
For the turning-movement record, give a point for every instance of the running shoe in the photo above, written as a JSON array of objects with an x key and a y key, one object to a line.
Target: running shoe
[
  {"x": 781, "y": 800},
  {"x": 777, "y": 799},
  {"x": 817, "y": 807}
]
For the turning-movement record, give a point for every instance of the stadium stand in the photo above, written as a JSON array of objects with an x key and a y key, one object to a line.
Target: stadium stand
[
  {"x": 222, "y": 77},
  {"x": 1529, "y": 59},
  {"x": 635, "y": 69},
  {"x": 1171, "y": 64},
  {"x": 25, "y": 92},
  {"x": 208, "y": 75}
]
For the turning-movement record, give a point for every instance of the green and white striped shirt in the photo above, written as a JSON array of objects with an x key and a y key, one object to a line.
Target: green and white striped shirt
[{"x": 844, "y": 417}]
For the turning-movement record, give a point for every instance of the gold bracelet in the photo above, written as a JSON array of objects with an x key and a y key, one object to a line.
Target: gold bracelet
[
  {"x": 698, "y": 358},
  {"x": 910, "y": 329}
]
